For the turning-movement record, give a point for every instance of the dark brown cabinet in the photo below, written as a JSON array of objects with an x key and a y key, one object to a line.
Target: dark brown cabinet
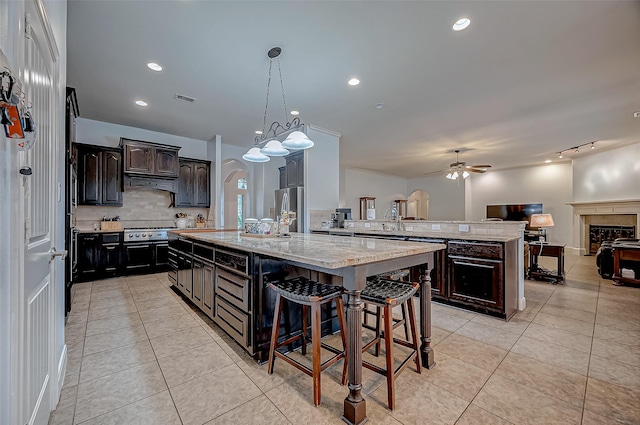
[
  {"x": 150, "y": 159},
  {"x": 99, "y": 255},
  {"x": 282, "y": 177},
  {"x": 99, "y": 176},
  {"x": 194, "y": 184},
  {"x": 295, "y": 169}
]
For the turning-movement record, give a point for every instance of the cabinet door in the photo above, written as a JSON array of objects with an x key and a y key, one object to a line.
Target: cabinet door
[
  {"x": 292, "y": 172},
  {"x": 188, "y": 276},
  {"x": 207, "y": 294},
  {"x": 162, "y": 256},
  {"x": 184, "y": 197},
  {"x": 201, "y": 185},
  {"x": 138, "y": 159},
  {"x": 300, "y": 170},
  {"x": 198, "y": 282},
  {"x": 283, "y": 177},
  {"x": 165, "y": 163},
  {"x": 88, "y": 256},
  {"x": 111, "y": 258},
  {"x": 89, "y": 177},
  {"x": 112, "y": 178}
]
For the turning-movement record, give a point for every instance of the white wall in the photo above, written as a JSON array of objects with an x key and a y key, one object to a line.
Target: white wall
[
  {"x": 549, "y": 184},
  {"x": 384, "y": 187},
  {"x": 608, "y": 176},
  {"x": 446, "y": 197},
  {"x": 321, "y": 172},
  {"x": 101, "y": 133}
]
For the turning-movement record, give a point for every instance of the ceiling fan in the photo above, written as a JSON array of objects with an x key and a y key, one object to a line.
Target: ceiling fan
[{"x": 461, "y": 169}]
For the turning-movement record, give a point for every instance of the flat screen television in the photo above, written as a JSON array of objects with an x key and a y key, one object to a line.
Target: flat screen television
[{"x": 514, "y": 212}]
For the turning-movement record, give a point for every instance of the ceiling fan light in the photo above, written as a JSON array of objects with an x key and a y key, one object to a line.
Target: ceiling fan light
[
  {"x": 465, "y": 174},
  {"x": 254, "y": 155},
  {"x": 455, "y": 175},
  {"x": 450, "y": 176},
  {"x": 297, "y": 140},
  {"x": 274, "y": 148}
]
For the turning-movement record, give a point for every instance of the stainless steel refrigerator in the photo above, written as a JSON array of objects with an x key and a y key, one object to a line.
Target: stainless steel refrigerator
[{"x": 296, "y": 205}]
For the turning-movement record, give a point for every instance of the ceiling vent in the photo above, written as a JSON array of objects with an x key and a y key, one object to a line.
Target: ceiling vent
[{"x": 184, "y": 98}]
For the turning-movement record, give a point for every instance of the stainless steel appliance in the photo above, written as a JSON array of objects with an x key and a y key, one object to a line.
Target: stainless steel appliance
[
  {"x": 296, "y": 205},
  {"x": 146, "y": 249}
]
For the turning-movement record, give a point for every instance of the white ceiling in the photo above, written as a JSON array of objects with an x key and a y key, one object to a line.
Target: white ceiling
[{"x": 525, "y": 80}]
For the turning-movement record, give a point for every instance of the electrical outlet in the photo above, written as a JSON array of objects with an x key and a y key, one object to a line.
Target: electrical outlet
[
  {"x": 435, "y": 227},
  {"x": 463, "y": 227},
  {"x": 367, "y": 225}
]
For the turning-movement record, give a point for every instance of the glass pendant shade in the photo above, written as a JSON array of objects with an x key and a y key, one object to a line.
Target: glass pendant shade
[
  {"x": 274, "y": 148},
  {"x": 254, "y": 155},
  {"x": 297, "y": 140},
  {"x": 465, "y": 174}
]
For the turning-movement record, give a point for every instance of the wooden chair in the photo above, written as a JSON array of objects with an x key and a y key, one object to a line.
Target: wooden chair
[{"x": 312, "y": 294}]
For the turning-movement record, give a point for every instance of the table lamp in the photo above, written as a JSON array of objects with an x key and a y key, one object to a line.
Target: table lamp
[{"x": 541, "y": 221}]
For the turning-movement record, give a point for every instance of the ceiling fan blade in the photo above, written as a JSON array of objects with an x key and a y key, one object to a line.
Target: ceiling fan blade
[
  {"x": 433, "y": 173},
  {"x": 476, "y": 170},
  {"x": 479, "y": 166}
]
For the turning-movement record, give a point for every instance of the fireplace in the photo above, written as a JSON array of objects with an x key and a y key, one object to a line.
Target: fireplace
[
  {"x": 605, "y": 215},
  {"x": 602, "y": 233}
]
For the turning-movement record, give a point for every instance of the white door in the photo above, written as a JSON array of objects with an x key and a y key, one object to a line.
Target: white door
[{"x": 37, "y": 370}]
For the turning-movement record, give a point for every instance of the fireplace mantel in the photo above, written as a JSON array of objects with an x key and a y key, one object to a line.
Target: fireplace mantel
[{"x": 582, "y": 209}]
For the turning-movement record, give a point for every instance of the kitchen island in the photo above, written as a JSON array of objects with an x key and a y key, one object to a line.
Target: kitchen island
[{"x": 241, "y": 264}]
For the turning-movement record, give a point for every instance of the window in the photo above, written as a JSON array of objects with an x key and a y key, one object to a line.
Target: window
[
  {"x": 240, "y": 206},
  {"x": 242, "y": 183}
]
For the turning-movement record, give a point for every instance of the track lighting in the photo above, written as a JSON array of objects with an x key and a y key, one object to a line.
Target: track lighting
[{"x": 576, "y": 149}]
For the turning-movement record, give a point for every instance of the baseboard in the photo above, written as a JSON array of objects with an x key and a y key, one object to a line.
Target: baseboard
[
  {"x": 522, "y": 303},
  {"x": 575, "y": 250},
  {"x": 62, "y": 368}
]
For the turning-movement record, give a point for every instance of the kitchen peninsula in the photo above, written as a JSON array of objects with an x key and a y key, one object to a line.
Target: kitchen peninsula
[
  {"x": 231, "y": 286},
  {"x": 482, "y": 268}
]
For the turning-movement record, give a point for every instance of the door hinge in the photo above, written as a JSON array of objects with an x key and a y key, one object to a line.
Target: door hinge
[{"x": 27, "y": 26}]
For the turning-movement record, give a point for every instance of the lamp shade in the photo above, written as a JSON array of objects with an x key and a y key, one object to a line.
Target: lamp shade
[
  {"x": 254, "y": 155},
  {"x": 541, "y": 220},
  {"x": 297, "y": 140},
  {"x": 274, "y": 148}
]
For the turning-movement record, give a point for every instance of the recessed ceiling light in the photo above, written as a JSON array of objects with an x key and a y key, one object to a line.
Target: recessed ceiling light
[
  {"x": 354, "y": 82},
  {"x": 547, "y": 161},
  {"x": 154, "y": 66},
  {"x": 461, "y": 24},
  {"x": 258, "y": 132},
  {"x": 141, "y": 103},
  {"x": 379, "y": 105},
  {"x": 636, "y": 114},
  {"x": 295, "y": 112}
]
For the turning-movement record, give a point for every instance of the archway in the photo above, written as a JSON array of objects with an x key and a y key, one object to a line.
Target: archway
[{"x": 234, "y": 197}]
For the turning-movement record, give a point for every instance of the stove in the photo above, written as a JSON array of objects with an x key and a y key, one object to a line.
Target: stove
[{"x": 146, "y": 234}]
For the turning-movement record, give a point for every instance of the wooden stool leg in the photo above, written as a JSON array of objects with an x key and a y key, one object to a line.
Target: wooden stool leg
[
  {"x": 378, "y": 333},
  {"x": 316, "y": 324},
  {"x": 305, "y": 313},
  {"x": 388, "y": 344},
  {"x": 343, "y": 335},
  {"x": 414, "y": 334},
  {"x": 406, "y": 323},
  {"x": 275, "y": 330}
]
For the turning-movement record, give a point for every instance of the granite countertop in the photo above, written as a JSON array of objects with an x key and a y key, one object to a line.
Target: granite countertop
[
  {"x": 89, "y": 230},
  {"x": 327, "y": 251},
  {"x": 417, "y": 234}
]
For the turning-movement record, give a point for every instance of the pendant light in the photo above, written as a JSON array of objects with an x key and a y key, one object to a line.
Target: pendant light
[{"x": 295, "y": 140}]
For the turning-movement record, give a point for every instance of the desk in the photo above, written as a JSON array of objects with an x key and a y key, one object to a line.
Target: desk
[
  {"x": 537, "y": 249},
  {"x": 626, "y": 256}
]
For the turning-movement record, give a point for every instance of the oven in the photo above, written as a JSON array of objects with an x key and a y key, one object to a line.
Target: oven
[{"x": 146, "y": 250}]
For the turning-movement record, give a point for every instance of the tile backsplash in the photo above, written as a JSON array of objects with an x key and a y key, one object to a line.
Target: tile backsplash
[{"x": 140, "y": 208}]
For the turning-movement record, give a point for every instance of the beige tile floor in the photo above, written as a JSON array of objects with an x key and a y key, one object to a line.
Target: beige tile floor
[{"x": 138, "y": 354}]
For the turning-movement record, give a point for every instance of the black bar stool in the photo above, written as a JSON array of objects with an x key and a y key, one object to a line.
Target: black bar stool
[
  {"x": 386, "y": 294},
  {"x": 312, "y": 294}
]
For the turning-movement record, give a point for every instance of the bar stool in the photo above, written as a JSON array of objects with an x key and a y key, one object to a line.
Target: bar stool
[
  {"x": 386, "y": 294},
  {"x": 401, "y": 275},
  {"x": 312, "y": 294}
]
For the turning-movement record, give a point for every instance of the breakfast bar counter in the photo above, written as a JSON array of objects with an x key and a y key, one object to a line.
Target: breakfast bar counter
[{"x": 339, "y": 261}]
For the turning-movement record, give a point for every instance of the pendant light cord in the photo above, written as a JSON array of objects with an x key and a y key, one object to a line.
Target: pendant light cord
[
  {"x": 266, "y": 106},
  {"x": 284, "y": 102}
]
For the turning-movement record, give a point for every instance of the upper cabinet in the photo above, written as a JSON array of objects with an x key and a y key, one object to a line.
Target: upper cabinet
[
  {"x": 194, "y": 184},
  {"x": 150, "y": 159},
  {"x": 99, "y": 176},
  {"x": 294, "y": 164}
]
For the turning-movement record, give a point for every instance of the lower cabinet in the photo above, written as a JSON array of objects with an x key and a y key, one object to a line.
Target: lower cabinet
[{"x": 99, "y": 255}]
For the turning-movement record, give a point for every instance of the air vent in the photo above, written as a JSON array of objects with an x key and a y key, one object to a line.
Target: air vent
[{"x": 184, "y": 98}]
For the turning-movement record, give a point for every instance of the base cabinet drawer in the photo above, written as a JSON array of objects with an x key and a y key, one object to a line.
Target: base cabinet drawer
[
  {"x": 233, "y": 288},
  {"x": 232, "y": 320}
]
